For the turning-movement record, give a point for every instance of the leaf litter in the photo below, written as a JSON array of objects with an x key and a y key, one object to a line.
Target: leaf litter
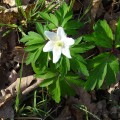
[{"x": 101, "y": 103}]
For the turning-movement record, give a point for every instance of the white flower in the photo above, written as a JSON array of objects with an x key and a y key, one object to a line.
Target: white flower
[{"x": 58, "y": 43}]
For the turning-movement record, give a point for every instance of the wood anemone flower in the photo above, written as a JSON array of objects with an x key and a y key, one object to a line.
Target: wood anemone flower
[{"x": 58, "y": 43}]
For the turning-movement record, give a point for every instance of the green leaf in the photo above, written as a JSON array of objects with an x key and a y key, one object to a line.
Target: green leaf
[
  {"x": 18, "y": 3},
  {"x": 71, "y": 32},
  {"x": 67, "y": 17},
  {"x": 65, "y": 8},
  {"x": 73, "y": 24},
  {"x": 64, "y": 65},
  {"x": 37, "y": 53},
  {"x": 104, "y": 29},
  {"x": 97, "y": 60},
  {"x": 96, "y": 77},
  {"x": 40, "y": 29},
  {"x": 32, "y": 38},
  {"x": 66, "y": 88},
  {"x": 34, "y": 41},
  {"x": 54, "y": 20},
  {"x": 104, "y": 68},
  {"x": 55, "y": 91},
  {"x": 78, "y": 58},
  {"x": 77, "y": 41},
  {"x": 78, "y": 65},
  {"x": 46, "y": 75},
  {"x": 83, "y": 69},
  {"x": 30, "y": 58},
  {"x": 32, "y": 47},
  {"x": 45, "y": 16},
  {"x": 41, "y": 63},
  {"x": 114, "y": 63},
  {"x": 51, "y": 26},
  {"x": 34, "y": 34},
  {"x": 25, "y": 38},
  {"x": 74, "y": 79},
  {"x": 113, "y": 69},
  {"x": 101, "y": 78},
  {"x": 102, "y": 35},
  {"x": 117, "y": 34},
  {"x": 82, "y": 48},
  {"x": 46, "y": 82},
  {"x": 110, "y": 76}
]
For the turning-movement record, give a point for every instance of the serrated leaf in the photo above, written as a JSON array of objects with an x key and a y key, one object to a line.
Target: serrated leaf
[
  {"x": 45, "y": 16},
  {"x": 74, "y": 79},
  {"x": 46, "y": 75},
  {"x": 103, "y": 67},
  {"x": 97, "y": 60},
  {"x": 82, "y": 48},
  {"x": 32, "y": 47},
  {"x": 54, "y": 90},
  {"x": 78, "y": 58},
  {"x": 114, "y": 64},
  {"x": 30, "y": 58},
  {"x": 51, "y": 26},
  {"x": 102, "y": 35},
  {"x": 40, "y": 29},
  {"x": 73, "y": 24},
  {"x": 34, "y": 34},
  {"x": 110, "y": 76},
  {"x": 41, "y": 63},
  {"x": 66, "y": 89},
  {"x": 46, "y": 82},
  {"x": 54, "y": 20},
  {"x": 77, "y": 41},
  {"x": 80, "y": 66},
  {"x": 67, "y": 17},
  {"x": 34, "y": 41},
  {"x": 65, "y": 9},
  {"x": 32, "y": 38},
  {"x": 96, "y": 77},
  {"x": 65, "y": 65},
  {"x": 83, "y": 69},
  {"x": 113, "y": 69},
  {"x": 104, "y": 29},
  {"x": 25, "y": 39},
  {"x": 37, "y": 53}
]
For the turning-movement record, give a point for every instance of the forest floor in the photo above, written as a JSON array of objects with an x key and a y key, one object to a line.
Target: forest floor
[{"x": 35, "y": 103}]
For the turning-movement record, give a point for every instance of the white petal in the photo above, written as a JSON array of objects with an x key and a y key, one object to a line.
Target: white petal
[
  {"x": 56, "y": 53},
  {"x": 48, "y": 47},
  {"x": 61, "y": 33},
  {"x": 51, "y": 35},
  {"x": 66, "y": 52},
  {"x": 68, "y": 41}
]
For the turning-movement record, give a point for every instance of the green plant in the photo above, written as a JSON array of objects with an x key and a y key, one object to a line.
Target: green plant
[
  {"x": 39, "y": 107},
  {"x": 60, "y": 77},
  {"x": 104, "y": 67},
  {"x": 69, "y": 68}
]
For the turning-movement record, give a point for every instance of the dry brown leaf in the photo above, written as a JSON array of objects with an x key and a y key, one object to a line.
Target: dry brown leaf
[
  {"x": 10, "y": 16},
  {"x": 9, "y": 2},
  {"x": 12, "y": 2},
  {"x": 95, "y": 7},
  {"x": 28, "y": 84}
]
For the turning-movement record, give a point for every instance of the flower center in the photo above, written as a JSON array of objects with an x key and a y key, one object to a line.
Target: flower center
[{"x": 59, "y": 43}]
